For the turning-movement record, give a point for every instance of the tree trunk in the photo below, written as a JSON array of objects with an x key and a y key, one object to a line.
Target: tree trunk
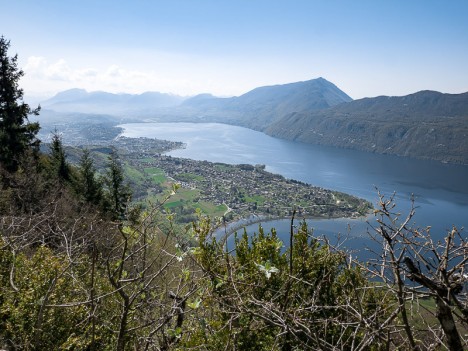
[
  {"x": 445, "y": 317},
  {"x": 123, "y": 327}
]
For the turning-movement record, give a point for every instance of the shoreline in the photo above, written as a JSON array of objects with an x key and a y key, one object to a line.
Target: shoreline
[
  {"x": 325, "y": 209},
  {"x": 228, "y": 229}
]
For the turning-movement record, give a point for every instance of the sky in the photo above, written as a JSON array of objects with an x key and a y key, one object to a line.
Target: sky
[{"x": 186, "y": 47}]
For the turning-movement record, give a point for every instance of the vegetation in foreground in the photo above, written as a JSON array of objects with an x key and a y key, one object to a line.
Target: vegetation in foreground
[{"x": 82, "y": 270}]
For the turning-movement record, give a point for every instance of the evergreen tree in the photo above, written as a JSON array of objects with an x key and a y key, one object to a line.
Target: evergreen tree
[
  {"x": 17, "y": 135},
  {"x": 118, "y": 192},
  {"x": 59, "y": 159},
  {"x": 88, "y": 186}
]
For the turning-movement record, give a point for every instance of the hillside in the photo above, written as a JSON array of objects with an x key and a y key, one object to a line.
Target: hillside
[
  {"x": 264, "y": 105},
  {"x": 426, "y": 124}
]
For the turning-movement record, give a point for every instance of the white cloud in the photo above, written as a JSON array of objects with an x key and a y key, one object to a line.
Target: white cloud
[
  {"x": 44, "y": 76},
  {"x": 35, "y": 65},
  {"x": 87, "y": 72},
  {"x": 114, "y": 71},
  {"x": 59, "y": 71},
  {"x": 160, "y": 72}
]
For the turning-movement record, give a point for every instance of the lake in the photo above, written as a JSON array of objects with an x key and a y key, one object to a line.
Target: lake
[{"x": 440, "y": 190}]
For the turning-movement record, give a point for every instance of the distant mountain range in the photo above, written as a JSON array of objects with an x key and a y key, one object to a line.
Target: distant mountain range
[
  {"x": 426, "y": 124},
  {"x": 79, "y": 100},
  {"x": 255, "y": 109}
]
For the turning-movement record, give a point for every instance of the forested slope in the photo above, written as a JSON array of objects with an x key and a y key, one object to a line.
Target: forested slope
[{"x": 426, "y": 124}]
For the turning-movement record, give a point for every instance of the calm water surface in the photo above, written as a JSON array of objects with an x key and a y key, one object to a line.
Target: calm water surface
[{"x": 440, "y": 190}]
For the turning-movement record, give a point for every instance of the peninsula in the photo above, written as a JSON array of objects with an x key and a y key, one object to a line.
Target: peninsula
[{"x": 223, "y": 190}]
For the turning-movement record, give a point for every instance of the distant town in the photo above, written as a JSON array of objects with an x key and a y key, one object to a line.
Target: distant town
[
  {"x": 231, "y": 192},
  {"x": 241, "y": 190}
]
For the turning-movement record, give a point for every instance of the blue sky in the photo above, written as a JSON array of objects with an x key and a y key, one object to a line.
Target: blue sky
[{"x": 367, "y": 48}]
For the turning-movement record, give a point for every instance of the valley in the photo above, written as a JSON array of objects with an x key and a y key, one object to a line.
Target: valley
[
  {"x": 231, "y": 192},
  {"x": 424, "y": 125},
  {"x": 222, "y": 175}
]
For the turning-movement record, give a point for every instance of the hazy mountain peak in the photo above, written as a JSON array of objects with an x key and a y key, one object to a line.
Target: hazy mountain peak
[
  {"x": 68, "y": 95},
  {"x": 79, "y": 100}
]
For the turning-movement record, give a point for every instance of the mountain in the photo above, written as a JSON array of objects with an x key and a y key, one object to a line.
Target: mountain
[
  {"x": 262, "y": 106},
  {"x": 309, "y": 95},
  {"x": 426, "y": 124},
  {"x": 255, "y": 109},
  {"x": 198, "y": 99},
  {"x": 79, "y": 100}
]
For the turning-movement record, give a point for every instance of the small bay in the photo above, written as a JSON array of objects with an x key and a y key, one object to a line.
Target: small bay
[{"x": 440, "y": 190}]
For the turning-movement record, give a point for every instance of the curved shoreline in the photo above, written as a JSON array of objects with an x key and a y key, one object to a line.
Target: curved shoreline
[{"x": 233, "y": 227}]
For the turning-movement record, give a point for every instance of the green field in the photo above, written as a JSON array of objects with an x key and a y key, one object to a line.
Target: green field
[
  {"x": 157, "y": 175},
  {"x": 134, "y": 175},
  {"x": 222, "y": 167},
  {"x": 189, "y": 177},
  {"x": 186, "y": 200},
  {"x": 211, "y": 209},
  {"x": 260, "y": 200}
]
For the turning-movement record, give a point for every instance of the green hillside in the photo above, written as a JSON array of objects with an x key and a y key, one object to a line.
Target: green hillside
[{"x": 427, "y": 124}]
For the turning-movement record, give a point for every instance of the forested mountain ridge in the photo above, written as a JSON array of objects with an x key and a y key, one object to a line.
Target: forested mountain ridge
[
  {"x": 426, "y": 124},
  {"x": 264, "y": 105}
]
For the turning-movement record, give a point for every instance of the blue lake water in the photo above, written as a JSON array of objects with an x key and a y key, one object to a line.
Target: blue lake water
[{"x": 440, "y": 190}]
